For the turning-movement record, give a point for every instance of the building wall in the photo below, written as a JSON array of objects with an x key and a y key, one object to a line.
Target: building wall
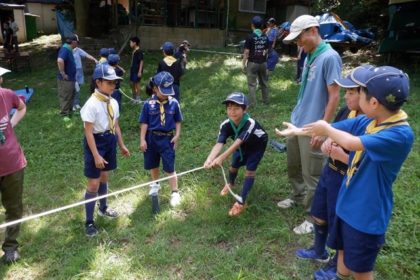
[
  {"x": 294, "y": 11},
  {"x": 20, "y": 21},
  {"x": 152, "y": 37},
  {"x": 46, "y": 23}
]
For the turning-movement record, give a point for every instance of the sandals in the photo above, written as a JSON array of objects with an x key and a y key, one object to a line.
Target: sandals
[{"x": 236, "y": 209}]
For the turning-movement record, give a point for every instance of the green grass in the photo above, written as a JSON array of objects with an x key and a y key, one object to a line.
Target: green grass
[{"x": 198, "y": 240}]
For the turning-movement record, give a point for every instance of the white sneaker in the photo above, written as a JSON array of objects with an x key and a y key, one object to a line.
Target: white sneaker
[
  {"x": 154, "y": 188},
  {"x": 175, "y": 199},
  {"x": 304, "y": 228},
  {"x": 287, "y": 203}
]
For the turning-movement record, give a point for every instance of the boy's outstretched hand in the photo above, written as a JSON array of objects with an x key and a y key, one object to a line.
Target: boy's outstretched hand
[
  {"x": 318, "y": 128},
  {"x": 124, "y": 151},
  {"x": 213, "y": 163},
  {"x": 290, "y": 130}
]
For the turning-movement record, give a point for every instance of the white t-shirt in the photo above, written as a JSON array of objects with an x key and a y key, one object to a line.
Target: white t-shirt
[{"x": 95, "y": 111}]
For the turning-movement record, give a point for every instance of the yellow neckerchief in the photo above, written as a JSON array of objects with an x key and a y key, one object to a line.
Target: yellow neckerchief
[
  {"x": 397, "y": 119},
  {"x": 352, "y": 114},
  {"x": 169, "y": 60},
  {"x": 132, "y": 54},
  {"x": 162, "y": 110},
  {"x": 102, "y": 59},
  {"x": 110, "y": 110}
]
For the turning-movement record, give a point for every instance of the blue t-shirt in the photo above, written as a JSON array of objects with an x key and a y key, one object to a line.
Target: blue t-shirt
[
  {"x": 78, "y": 53},
  {"x": 272, "y": 35},
  {"x": 322, "y": 73},
  {"x": 150, "y": 114},
  {"x": 366, "y": 204},
  {"x": 69, "y": 65}
]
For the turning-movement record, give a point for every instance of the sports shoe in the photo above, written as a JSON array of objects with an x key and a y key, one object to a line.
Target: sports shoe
[
  {"x": 175, "y": 199},
  {"x": 76, "y": 107},
  {"x": 154, "y": 188},
  {"x": 287, "y": 203},
  {"x": 108, "y": 212},
  {"x": 304, "y": 228},
  {"x": 328, "y": 273},
  {"x": 11, "y": 256},
  {"x": 236, "y": 209},
  {"x": 310, "y": 254},
  {"x": 225, "y": 190},
  {"x": 90, "y": 230}
]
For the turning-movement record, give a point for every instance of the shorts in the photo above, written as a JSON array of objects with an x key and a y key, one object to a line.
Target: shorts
[
  {"x": 116, "y": 94},
  {"x": 325, "y": 197},
  {"x": 360, "y": 249},
  {"x": 250, "y": 159},
  {"x": 134, "y": 75},
  {"x": 159, "y": 147},
  {"x": 272, "y": 60},
  {"x": 80, "y": 79},
  {"x": 106, "y": 143}
]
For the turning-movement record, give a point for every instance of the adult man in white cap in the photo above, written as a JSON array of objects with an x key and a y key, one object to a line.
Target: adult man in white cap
[{"x": 317, "y": 99}]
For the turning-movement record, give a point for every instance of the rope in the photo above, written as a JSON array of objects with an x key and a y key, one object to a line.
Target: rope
[
  {"x": 215, "y": 52},
  {"x": 132, "y": 99},
  {"x": 237, "y": 197},
  {"x": 52, "y": 211}
]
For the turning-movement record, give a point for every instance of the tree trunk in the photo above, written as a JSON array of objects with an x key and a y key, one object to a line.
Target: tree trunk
[{"x": 81, "y": 10}]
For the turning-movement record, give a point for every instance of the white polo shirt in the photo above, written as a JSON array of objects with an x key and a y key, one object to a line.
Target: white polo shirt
[{"x": 95, "y": 111}]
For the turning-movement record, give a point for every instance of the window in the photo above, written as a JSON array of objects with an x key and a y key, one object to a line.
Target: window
[{"x": 253, "y": 6}]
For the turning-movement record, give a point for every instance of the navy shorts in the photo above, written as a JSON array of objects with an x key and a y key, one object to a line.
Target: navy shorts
[
  {"x": 106, "y": 144},
  {"x": 159, "y": 146},
  {"x": 134, "y": 75},
  {"x": 117, "y": 96},
  {"x": 360, "y": 249},
  {"x": 250, "y": 159},
  {"x": 325, "y": 197}
]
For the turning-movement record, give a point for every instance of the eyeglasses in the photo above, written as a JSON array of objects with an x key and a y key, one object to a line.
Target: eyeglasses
[{"x": 300, "y": 35}]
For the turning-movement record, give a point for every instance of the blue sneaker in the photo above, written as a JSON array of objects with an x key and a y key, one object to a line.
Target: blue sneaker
[
  {"x": 310, "y": 254},
  {"x": 328, "y": 273}
]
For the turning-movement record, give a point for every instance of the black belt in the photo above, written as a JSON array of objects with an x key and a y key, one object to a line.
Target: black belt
[
  {"x": 333, "y": 167},
  {"x": 106, "y": 132},
  {"x": 162, "y": 133}
]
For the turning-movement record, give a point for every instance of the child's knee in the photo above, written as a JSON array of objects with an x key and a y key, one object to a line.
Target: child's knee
[
  {"x": 249, "y": 173},
  {"x": 319, "y": 221}
]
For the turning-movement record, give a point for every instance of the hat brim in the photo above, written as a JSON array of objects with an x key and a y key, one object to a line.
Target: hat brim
[
  {"x": 233, "y": 101},
  {"x": 346, "y": 83},
  {"x": 292, "y": 35},
  {"x": 167, "y": 91},
  {"x": 112, "y": 78},
  {"x": 4, "y": 71}
]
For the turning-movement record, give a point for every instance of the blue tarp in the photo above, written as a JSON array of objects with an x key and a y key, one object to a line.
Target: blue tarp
[
  {"x": 26, "y": 96},
  {"x": 64, "y": 26}
]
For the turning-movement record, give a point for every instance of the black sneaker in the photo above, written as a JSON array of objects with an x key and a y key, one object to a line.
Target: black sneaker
[
  {"x": 91, "y": 230},
  {"x": 108, "y": 212},
  {"x": 11, "y": 256}
]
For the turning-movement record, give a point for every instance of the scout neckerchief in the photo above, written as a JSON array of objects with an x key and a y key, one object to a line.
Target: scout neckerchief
[
  {"x": 397, "y": 119},
  {"x": 310, "y": 58},
  {"x": 162, "y": 111},
  {"x": 236, "y": 130},
  {"x": 67, "y": 46},
  {"x": 352, "y": 114},
  {"x": 257, "y": 32},
  {"x": 169, "y": 60},
  {"x": 132, "y": 54},
  {"x": 110, "y": 110}
]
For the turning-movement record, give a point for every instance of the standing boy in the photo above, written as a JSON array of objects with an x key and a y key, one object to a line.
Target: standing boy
[
  {"x": 181, "y": 54},
  {"x": 379, "y": 143},
  {"x": 12, "y": 165},
  {"x": 113, "y": 60},
  {"x": 160, "y": 128},
  {"x": 172, "y": 65},
  {"x": 102, "y": 133},
  {"x": 250, "y": 141},
  {"x": 15, "y": 28},
  {"x": 136, "y": 69},
  {"x": 254, "y": 62}
]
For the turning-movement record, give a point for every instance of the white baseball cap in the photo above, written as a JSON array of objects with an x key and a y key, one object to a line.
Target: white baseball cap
[
  {"x": 298, "y": 25},
  {"x": 3, "y": 71}
]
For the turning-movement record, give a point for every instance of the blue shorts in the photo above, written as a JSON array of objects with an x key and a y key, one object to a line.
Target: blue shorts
[
  {"x": 134, "y": 75},
  {"x": 159, "y": 146},
  {"x": 250, "y": 159},
  {"x": 325, "y": 197},
  {"x": 106, "y": 144},
  {"x": 360, "y": 249},
  {"x": 116, "y": 94},
  {"x": 272, "y": 60}
]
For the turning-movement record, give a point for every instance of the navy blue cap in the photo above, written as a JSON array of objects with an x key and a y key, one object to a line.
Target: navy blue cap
[
  {"x": 348, "y": 82},
  {"x": 257, "y": 20},
  {"x": 271, "y": 20},
  {"x": 167, "y": 46},
  {"x": 72, "y": 38},
  {"x": 104, "y": 52},
  {"x": 106, "y": 72},
  {"x": 113, "y": 59},
  {"x": 237, "y": 98},
  {"x": 388, "y": 84},
  {"x": 164, "y": 80},
  {"x": 112, "y": 51}
]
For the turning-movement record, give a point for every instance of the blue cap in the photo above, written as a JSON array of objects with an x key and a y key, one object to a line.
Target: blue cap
[
  {"x": 348, "y": 82},
  {"x": 257, "y": 20},
  {"x": 388, "y": 84},
  {"x": 113, "y": 59},
  {"x": 104, "y": 52},
  {"x": 237, "y": 98},
  {"x": 167, "y": 46},
  {"x": 164, "y": 80},
  {"x": 106, "y": 72},
  {"x": 112, "y": 51}
]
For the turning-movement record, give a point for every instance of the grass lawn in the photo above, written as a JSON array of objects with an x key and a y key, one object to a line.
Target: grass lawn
[{"x": 198, "y": 240}]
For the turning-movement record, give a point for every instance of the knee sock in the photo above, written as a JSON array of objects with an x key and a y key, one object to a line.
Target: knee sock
[
  {"x": 232, "y": 177},
  {"x": 321, "y": 233},
  {"x": 103, "y": 189},
  {"x": 90, "y": 207},
  {"x": 343, "y": 277},
  {"x": 248, "y": 183}
]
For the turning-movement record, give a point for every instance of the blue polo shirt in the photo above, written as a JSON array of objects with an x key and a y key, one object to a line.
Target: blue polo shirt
[
  {"x": 150, "y": 114},
  {"x": 272, "y": 35},
  {"x": 366, "y": 203},
  {"x": 69, "y": 64}
]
